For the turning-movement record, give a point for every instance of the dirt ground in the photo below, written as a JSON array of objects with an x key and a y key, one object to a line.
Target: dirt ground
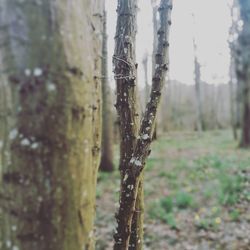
[{"x": 197, "y": 195}]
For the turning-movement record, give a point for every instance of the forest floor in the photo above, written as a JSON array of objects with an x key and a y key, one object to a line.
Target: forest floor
[{"x": 197, "y": 195}]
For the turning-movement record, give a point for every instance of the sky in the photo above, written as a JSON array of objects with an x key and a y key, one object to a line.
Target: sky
[{"x": 206, "y": 21}]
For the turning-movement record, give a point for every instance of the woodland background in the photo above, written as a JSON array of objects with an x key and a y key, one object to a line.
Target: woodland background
[{"x": 90, "y": 156}]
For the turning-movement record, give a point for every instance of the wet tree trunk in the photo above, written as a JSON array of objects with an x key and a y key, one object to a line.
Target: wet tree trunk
[
  {"x": 106, "y": 164},
  {"x": 243, "y": 70},
  {"x": 48, "y": 193},
  {"x": 134, "y": 161}
]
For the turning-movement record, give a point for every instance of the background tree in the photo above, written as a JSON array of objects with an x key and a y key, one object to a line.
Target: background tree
[
  {"x": 107, "y": 121},
  {"x": 156, "y": 25},
  {"x": 133, "y": 161},
  {"x": 197, "y": 79},
  {"x": 47, "y": 196},
  {"x": 234, "y": 86},
  {"x": 243, "y": 70},
  {"x": 232, "y": 75},
  {"x": 145, "y": 68}
]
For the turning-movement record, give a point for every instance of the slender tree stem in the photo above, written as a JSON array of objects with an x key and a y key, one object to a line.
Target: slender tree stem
[{"x": 135, "y": 164}]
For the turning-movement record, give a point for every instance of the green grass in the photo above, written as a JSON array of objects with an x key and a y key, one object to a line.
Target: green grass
[
  {"x": 234, "y": 215},
  {"x": 161, "y": 211},
  {"x": 167, "y": 204},
  {"x": 230, "y": 188},
  {"x": 183, "y": 200},
  {"x": 152, "y": 161},
  {"x": 186, "y": 173},
  {"x": 164, "y": 208}
]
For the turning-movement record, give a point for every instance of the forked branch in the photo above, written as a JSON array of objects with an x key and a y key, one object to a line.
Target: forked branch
[{"x": 132, "y": 171}]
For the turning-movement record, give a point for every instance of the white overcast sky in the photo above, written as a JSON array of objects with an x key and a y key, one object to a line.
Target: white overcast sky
[{"x": 209, "y": 26}]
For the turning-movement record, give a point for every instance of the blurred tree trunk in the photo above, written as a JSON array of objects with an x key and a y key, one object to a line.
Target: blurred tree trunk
[
  {"x": 239, "y": 106},
  {"x": 155, "y": 43},
  {"x": 233, "y": 104},
  {"x": 233, "y": 85},
  {"x": 197, "y": 73},
  {"x": 243, "y": 70},
  {"x": 5, "y": 112},
  {"x": 50, "y": 55},
  {"x": 233, "y": 92},
  {"x": 145, "y": 68},
  {"x": 133, "y": 161},
  {"x": 106, "y": 164}
]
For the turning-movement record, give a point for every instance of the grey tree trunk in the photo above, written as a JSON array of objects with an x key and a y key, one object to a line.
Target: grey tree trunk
[
  {"x": 155, "y": 30},
  {"x": 243, "y": 70},
  {"x": 145, "y": 68},
  {"x": 155, "y": 43},
  {"x": 156, "y": 25},
  {"x": 106, "y": 164},
  {"x": 51, "y": 58},
  {"x": 233, "y": 108},
  {"x": 233, "y": 84},
  {"x": 199, "y": 109}
]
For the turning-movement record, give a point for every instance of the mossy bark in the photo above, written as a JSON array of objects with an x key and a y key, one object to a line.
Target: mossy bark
[
  {"x": 52, "y": 61},
  {"x": 137, "y": 233}
]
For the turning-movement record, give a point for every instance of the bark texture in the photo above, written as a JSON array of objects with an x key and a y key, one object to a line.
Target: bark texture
[
  {"x": 133, "y": 166},
  {"x": 48, "y": 192},
  {"x": 126, "y": 104},
  {"x": 106, "y": 164},
  {"x": 243, "y": 70}
]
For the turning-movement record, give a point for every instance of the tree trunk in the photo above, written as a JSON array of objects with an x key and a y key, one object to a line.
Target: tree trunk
[
  {"x": 132, "y": 167},
  {"x": 155, "y": 30},
  {"x": 199, "y": 109},
  {"x": 233, "y": 85},
  {"x": 136, "y": 238},
  {"x": 48, "y": 191},
  {"x": 243, "y": 70},
  {"x": 127, "y": 107},
  {"x": 233, "y": 100},
  {"x": 155, "y": 43},
  {"x": 145, "y": 68},
  {"x": 106, "y": 164},
  {"x": 232, "y": 110}
]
